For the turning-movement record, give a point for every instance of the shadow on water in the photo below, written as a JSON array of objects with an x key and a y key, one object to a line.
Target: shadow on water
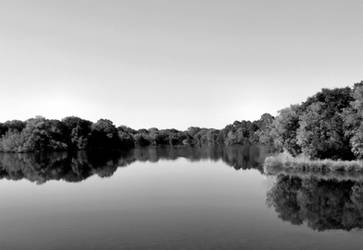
[{"x": 40, "y": 168}]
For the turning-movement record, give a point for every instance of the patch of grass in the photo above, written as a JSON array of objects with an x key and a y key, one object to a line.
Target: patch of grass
[{"x": 286, "y": 164}]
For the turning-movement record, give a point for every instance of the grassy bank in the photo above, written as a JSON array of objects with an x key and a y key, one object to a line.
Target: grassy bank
[{"x": 286, "y": 164}]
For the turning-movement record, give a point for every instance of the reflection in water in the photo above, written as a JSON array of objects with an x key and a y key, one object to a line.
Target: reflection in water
[
  {"x": 321, "y": 204},
  {"x": 41, "y": 168},
  {"x": 172, "y": 205}
]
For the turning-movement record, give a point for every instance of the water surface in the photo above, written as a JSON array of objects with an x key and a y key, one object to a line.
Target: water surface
[{"x": 172, "y": 198}]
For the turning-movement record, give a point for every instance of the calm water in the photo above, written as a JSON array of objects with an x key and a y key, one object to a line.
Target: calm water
[{"x": 172, "y": 198}]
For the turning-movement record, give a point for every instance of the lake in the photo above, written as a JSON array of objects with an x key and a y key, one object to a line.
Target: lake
[{"x": 172, "y": 198}]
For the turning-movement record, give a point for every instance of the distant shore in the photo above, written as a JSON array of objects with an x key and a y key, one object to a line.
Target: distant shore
[{"x": 328, "y": 125}]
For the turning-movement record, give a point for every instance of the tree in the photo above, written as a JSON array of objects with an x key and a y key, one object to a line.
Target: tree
[
  {"x": 104, "y": 135},
  {"x": 125, "y": 135},
  {"x": 141, "y": 140},
  {"x": 321, "y": 133},
  {"x": 11, "y": 141},
  {"x": 264, "y": 129},
  {"x": 40, "y": 134},
  {"x": 78, "y": 131},
  {"x": 354, "y": 120},
  {"x": 284, "y": 129},
  {"x": 14, "y": 125}
]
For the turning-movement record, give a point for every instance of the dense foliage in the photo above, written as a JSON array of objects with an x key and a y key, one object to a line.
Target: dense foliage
[
  {"x": 326, "y": 125},
  {"x": 75, "y": 134},
  {"x": 72, "y": 134}
]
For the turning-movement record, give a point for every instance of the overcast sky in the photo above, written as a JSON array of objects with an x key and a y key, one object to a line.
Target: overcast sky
[{"x": 173, "y": 63}]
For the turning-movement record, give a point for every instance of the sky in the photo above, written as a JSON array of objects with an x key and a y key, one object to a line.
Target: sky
[{"x": 158, "y": 63}]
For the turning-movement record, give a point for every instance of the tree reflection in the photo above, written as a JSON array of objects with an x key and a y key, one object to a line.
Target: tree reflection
[
  {"x": 321, "y": 204},
  {"x": 40, "y": 168}
]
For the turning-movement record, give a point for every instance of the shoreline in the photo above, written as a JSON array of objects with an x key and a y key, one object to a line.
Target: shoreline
[{"x": 300, "y": 166}]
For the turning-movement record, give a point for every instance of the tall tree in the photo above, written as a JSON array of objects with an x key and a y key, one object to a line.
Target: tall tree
[{"x": 284, "y": 129}]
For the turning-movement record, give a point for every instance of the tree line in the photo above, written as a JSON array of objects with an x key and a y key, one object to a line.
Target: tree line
[
  {"x": 75, "y": 134},
  {"x": 326, "y": 125}
]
